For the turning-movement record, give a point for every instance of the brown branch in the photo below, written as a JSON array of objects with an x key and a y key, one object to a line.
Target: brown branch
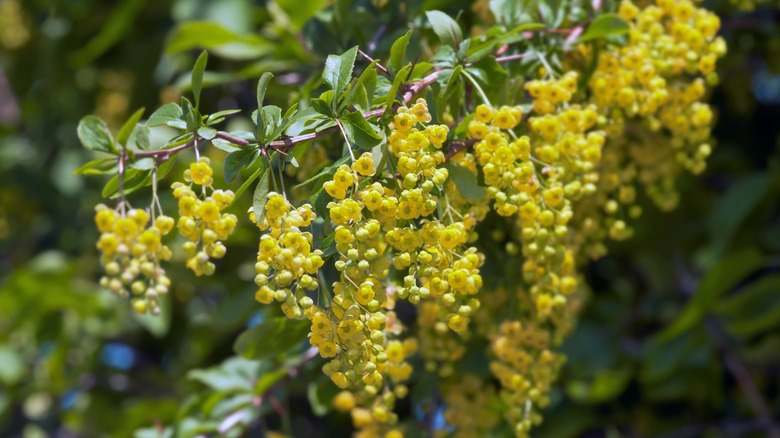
[
  {"x": 286, "y": 143},
  {"x": 458, "y": 146}
]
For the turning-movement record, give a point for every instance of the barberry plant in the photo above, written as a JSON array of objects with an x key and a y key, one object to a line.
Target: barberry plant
[{"x": 468, "y": 188}]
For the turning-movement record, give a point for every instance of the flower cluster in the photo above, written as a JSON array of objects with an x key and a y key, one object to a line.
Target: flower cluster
[
  {"x": 286, "y": 263},
  {"x": 201, "y": 218},
  {"x": 132, "y": 250}
]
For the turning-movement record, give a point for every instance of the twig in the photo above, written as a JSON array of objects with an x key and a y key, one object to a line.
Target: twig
[
  {"x": 458, "y": 146},
  {"x": 378, "y": 65}
]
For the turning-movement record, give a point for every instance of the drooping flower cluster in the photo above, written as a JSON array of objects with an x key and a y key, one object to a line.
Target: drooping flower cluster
[
  {"x": 201, "y": 218},
  {"x": 286, "y": 263},
  {"x": 132, "y": 250}
]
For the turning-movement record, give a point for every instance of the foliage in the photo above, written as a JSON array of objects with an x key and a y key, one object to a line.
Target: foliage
[{"x": 682, "y": 312}]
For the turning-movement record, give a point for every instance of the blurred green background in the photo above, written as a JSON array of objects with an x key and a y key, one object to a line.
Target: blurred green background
[{"x": 679, "y": 340}]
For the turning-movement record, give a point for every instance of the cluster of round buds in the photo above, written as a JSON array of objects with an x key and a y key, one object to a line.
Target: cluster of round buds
[
  {"x": 439, "y": 346},
  {"x": 286, "y": 263},
  {"x": 201, "y": 218},
  {"x": 131, "y": 250},
  {"x": 526, "y": 367},
  {"x": 418, "y": 155}
]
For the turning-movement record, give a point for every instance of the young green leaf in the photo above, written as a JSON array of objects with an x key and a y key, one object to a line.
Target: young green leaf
[
  {"x": 197, "y": 76},
  {"x": 400, "y": 77},
  {"x": 398, "y": 50},
  {"x": 605, "y": 25},
  {"x": 97, "y": 167},
  {"x": 338, "y": 70},
  {"x": 95, "y": 136},
  {"x": 128, "y": 127},
  {"x": 446, "y": 28}
]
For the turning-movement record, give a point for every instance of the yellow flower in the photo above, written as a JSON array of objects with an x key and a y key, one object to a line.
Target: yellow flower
[
  {"x": 125, "y": 229},
  {"x": 208, "y": 211},
  {"x": 201, "y": 173}
]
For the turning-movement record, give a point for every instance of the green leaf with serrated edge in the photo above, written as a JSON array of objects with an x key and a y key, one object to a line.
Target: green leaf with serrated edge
[
  {"x": 261, "y": 193},
  {"x": 170, "y": 112},
  {"x": 322, "y": 107},
  {"x": 399, "y": 79},
  {"x": 95, "y": 136},
  {"x": 466, "y": 182},
  {"x": 603, "y": 26},
  {"x": 271, "y": 338},
  {"x": 398, "y": 50},
  {"x": 723, "y": 276},
  {"x": 128, "y": 127},
  {"x": 359, "y": 132},
  {"x": 139, "y": 139},
  {"x": 197, "y": 76},
  {"x": 259, "y": 171},
  {"x": 235, "y": 161},
  {"x": 97, "y": 167},
  {"x": 207, "y": 133},
  {"x": 445, "y": 27},
  {"x": 338, "y": 70}
]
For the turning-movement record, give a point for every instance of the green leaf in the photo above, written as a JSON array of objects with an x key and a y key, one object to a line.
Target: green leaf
[
  {"x": 398, "y": 50},
  {"x": 143, "y": 163},
  {"x": 262, "y": 86},
  {"x": 338, "y": 70},
  {"x": 97, "y": 167},
  {"x": 235, "y": 374},
  {"x": 734, "y": 207},
  {"x": 359, "y": 132},
  {"x": 488, "y": 71},
  {"x": 466, "y": 182},
  {"x": 197, "y": 76},
  {"x": 271, "y": 338},
  {"x": 139, "y": 138},
  {"x": 235, "y": 161},
  {"x": 207, "y": 133},
  {"x": 95, "y": 136},
  {"x": 217, "y": 39},
  {"x": 169, "y": 114},
  {"x": 604, "y": 26},
  {"x": 321, "y": 395},
  {"x": 327, "y": 246},
  {"x": 225, "y": 145},
  {"x": 399, "y": 79},
  {"x": 128, "y": 127},
  {"x": 446, "y": 28},
  {"x": 260, "y": 196},
  {"x": 720, "y": 278},
  {"x": 251, "y": 179},
  {"x": 754, "y": 309}
]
